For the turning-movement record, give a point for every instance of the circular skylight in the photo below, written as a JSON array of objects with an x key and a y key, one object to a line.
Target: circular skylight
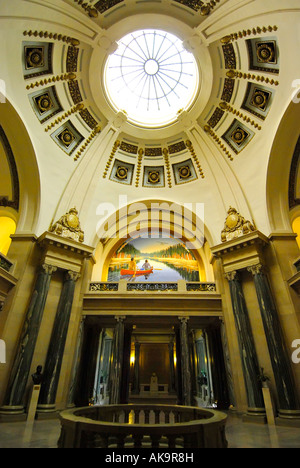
[{"x": 151, "y": 77}]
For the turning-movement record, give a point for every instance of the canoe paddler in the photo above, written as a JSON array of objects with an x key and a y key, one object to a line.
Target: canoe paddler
[
  {"x": 132, "y": 266},
  {"x": 146, "y": 266}
]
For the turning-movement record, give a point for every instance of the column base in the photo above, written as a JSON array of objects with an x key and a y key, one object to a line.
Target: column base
[
  {"x": 255, "y": 415},
  {"x": 288, "y": 418},
  {"x": 12, "y": 413},
  {"x": 47, "y": 412}
]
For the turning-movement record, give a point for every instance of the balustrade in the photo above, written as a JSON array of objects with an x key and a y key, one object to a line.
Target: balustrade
[
  {"x": 103, "y": 286},
  {"x": 142, "y": 426}
]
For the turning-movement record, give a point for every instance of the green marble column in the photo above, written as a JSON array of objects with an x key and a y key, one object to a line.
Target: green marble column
[
  {"x": 185, "y": 363},
  {"x": 172, "y": 368},
  {"x": 117, "y": 362},
  {"x": 247, "y": 347},
  {"x": 57, "y": 345},
  {"x": 136, "y": 370},
  {"x": 15, "y": 394},
  {"x": 287, "y": 398}
]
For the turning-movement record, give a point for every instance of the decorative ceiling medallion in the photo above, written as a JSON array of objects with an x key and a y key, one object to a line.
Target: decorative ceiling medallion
[
  {"x": 34, "y": 57},
  {"x": 266, "y": 52},
  {"x": 263, "y": 54},
  {"x": 122, "y": 172},
  {"x": 37, "y": 59},
  {"x": 45, "y": 103},
  {"x": 67, "y": 137},
  {"x": 235, "y": 226},
  {"x": 258, "y": 100},
  {"x": 154, "y": 176},
  {"x": 184, "y": 172},
  {"x": 68, "y": 226},
  {"x": 238, "y": 136}
]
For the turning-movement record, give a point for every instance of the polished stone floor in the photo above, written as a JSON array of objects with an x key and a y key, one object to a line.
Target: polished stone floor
[{"x": 44, "y": 434}]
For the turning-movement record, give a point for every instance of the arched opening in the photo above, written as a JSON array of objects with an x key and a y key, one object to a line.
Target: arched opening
[
  {"x": 296, "y": 229},
  {"x": 7, "y": 228},
  {"x": 19, "y": 179},
  {"x": 279, "y": 171},
  {"x": 180, "y": 231}
]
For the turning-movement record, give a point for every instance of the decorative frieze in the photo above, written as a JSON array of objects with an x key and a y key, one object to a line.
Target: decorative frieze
[
  {"x": 89, "y": 9},
  {"x": 104, "y": 287},
  {"x": 103, "y": 5},
  {"x": 53, "y": 36},
  {"x": 152, "y": 287}
]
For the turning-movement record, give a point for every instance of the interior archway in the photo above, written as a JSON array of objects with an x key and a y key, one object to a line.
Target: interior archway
[
  {"x": 153, "y": 220},
  {"x": 23, "y": 182},
  {"x": 278, "y": 176}
]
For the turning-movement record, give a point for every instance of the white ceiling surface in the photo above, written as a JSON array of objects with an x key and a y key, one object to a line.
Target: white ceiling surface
[{"x": 65, "y": 183}]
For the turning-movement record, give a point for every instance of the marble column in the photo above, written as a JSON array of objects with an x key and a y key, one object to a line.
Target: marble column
[
  {"x": 172, "y": 368},
  {"x": 15, "y": 394},
  {"x": 136, "y": 370},
  {"x": 117, "y": 363},
  {"x": 185, "y": 362},
  {"x": 247, "y": 347},
  {"x": 287, "y": 398},
  {"x": 57, "y": 345}
]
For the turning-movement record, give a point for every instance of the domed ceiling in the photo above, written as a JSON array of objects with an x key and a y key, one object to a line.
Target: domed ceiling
[{"x": 215, "y": 143}]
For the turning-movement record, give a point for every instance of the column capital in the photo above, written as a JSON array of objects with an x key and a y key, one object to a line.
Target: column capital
[
  {"x": 120, "y": 318},
  {"x": 184, "y": 319},
  {"x": 256, "y": 269},
  {"x": 232, "y": 275},
  {"x": 49, "y": 269},
  {"x": 72, "y": 276}
]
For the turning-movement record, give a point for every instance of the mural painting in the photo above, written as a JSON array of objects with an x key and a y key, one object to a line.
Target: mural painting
[{"x": 155, "y": 260}]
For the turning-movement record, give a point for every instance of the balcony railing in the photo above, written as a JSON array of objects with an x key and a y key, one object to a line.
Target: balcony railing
[
  {"x": 142, "y": 426},
  {"x": 5, "y": 263},
  {"x": 180, "y": 286}
]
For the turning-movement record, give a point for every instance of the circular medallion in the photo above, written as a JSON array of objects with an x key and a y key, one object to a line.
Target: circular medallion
[
  {"x": 232, "y": 221},
  {"x": 73, "y": 221}
]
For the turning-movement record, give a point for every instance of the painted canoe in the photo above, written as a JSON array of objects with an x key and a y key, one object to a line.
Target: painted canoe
[{"x": 138, "y": 272}]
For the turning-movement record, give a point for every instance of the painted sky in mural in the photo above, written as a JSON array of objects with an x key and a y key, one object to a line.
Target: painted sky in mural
[{"x": 168, "y": 260}]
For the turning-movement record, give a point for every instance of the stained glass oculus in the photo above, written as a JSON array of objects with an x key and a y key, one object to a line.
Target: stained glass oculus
[{"x": 151, "y": 76}]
